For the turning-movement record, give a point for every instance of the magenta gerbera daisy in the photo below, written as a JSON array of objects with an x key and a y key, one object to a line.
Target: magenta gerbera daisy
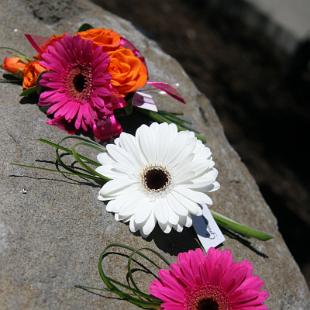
[
  {"x": 77, "y": 88},
  {"x": 212, "y": 281}
]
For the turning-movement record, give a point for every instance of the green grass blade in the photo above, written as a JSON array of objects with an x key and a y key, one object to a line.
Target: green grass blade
[
  {"x": 240, "y": 228},
  {"x": 68, "y": 150}
]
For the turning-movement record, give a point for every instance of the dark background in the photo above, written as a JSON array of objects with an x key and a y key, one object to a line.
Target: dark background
[{"x": 260, "y": 92}]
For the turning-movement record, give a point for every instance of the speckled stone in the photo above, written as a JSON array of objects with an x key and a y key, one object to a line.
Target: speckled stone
[{"x": 52, "y": 232}]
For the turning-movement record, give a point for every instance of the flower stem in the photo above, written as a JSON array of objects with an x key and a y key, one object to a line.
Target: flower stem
[
  {"x": 240, "y": 228},
  {"x": 21, "y": 55}
]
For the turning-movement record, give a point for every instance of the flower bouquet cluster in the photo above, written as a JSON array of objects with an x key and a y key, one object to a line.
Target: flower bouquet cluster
[
  {"x": 88, "y": 80},
  {"x": 196, "y": 281},
  {"x": 90, "y": 83}
]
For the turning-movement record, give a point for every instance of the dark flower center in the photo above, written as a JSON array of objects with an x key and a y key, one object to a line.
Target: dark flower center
[
  {"x": 156, "y": 179},
  {"x": 207, "y": 304},
  {"x": 207, "y": 298},
  {"x": 79, "y": 82}
]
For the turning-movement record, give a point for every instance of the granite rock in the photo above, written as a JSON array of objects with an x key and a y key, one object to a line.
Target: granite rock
[{"x": 52, "y": 231}]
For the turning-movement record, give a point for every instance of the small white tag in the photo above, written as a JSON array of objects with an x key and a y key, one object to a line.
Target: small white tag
[
  {"x": 144, "y": 101},
  {"x": 207, "y": 230}
]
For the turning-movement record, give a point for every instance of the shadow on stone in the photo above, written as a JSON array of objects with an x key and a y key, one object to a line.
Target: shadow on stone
[
  {"x": 73, "y": 182},
  {"x": 244, "y": 241},
  {"x": 30, "y": 99},
  {"x": 174, "y": 242},
  {"x": 91, "y": 291}
]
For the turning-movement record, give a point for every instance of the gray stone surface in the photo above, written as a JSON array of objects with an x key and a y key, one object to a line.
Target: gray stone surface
[
  {"x": 51, "y": 237},
  {"x": 292, "y": 15}
]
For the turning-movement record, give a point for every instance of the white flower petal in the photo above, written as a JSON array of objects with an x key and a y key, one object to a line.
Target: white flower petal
[
  {"x": 178, "y": 228},
  {"x": 122, "y": 156},
  {"x": 133, "y": 205},
  {"x": 114, "y": 205},
  {"x": 176, "y": 206},
  {"x": 202, "y": 152},
  {"x": 180, "y": 148},
  {"x": 110, "y": 167},
  {"x": 129, "y": 143},
  {"x": 148, "y": 226},
  {"x": 209, "y": 176},
  {"x": 116, "y": 187},
  {"x": 166, "y": 137},
  {"x": 214, "y": 187},
  {"x": 173, "y": 217},
  {"x": 197, "y": 197},
  {"x": 132, "y": 225},
  {"x": 107, "y": 171},
  {"x": 180, "y": 154},
  {"x": 204, "y": 187},
  {"x": 145, "y": 209},
  {"x": 121, "y": 218},
  {"x": 147, "y": 143},
  {"x": 105, "y": 159},
  {"x": 184, "y": 156},
  {"x": 189, "y": 222},
  {"x": 191, "y": 206},
  {"x": 166, "y": 228},
  {"x": 160, "y": 211}
]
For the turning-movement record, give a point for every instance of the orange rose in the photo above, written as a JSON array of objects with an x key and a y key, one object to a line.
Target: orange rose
[
  {"x": 128, "y": 72},
  {"x": 14, "y": 65},
  {"x": 107, "y": 38},
  {"x": 31, "y": 73}
]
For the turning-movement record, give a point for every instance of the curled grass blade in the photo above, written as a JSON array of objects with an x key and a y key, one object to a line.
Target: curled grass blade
[
  {"x": 136, "y": 296},
  {"x": 130, "y": 269},
  {"x": 77, "y": 157},
  {"x": 61, "y": 163},
  {"x": 84, "y": 161},
  {"x": 57, "y": 146},
  {"x": 19, "y": 54}
]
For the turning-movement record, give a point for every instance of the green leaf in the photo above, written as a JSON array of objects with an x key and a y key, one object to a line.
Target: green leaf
[
  {"x": 11, "y": 76},
  {"x": 78, "y": 158},
  {"x": 29, "y": 91},
  {"x": 85, "y": 27},
  {"x": 240, "y": 228},
  {"x": 132, "y": 294},
  {"x": 57, "y": 146}
]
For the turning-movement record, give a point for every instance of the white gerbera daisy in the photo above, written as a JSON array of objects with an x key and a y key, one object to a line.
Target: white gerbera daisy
[{"x": 159, "y": 176}]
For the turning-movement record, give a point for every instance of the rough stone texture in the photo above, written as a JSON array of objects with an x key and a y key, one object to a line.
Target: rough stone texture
[
  {"x": 52, "y": 11},
  {"x": 51, "y": 237}
]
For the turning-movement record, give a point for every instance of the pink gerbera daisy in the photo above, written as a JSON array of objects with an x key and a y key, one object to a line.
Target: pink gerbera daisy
[
  {"x": 212, "y": 281},
  {"x": 77, "y": 87}
]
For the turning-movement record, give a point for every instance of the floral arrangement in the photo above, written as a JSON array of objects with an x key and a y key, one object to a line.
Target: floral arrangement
[
  {"x": 196, "y": 281},
  {"x": 90, "y": 83},
  {"x": 87, "y": 81},
  {"x": 147, "y": 180}
]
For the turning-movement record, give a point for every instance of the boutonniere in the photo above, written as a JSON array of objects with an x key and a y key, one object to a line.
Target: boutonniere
[
  {"x": 198, "y": 280},
  {"x": 87, "y": 82}
]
